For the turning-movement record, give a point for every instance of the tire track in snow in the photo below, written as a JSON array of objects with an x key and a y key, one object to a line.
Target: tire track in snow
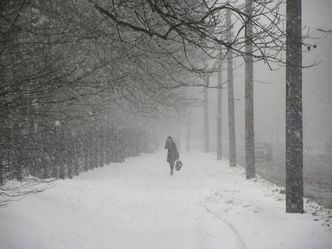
[
  {"x": 210, "y": 174},
  {"x": 229, "y": 225}
]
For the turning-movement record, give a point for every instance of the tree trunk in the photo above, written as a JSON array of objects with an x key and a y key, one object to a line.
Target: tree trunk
[
  {"x": 69, "y": 152},
  {"x": 16, "y": 158},
  {"x": 206, "y": 117},
  {"x": 108, "y": 146},
  {"x": 93, "y": 148},
  {"x": 102, "y": 146},
  {"x": 77, "y": 151},
  {"x": 55, "y": 153},
  {"x": 90, "y": 148},
  {"x": 2, "y": 180},
  {"x": 219, "y": 113},
  {"x": 231, "y": 115},
  {"x": 86, "y": 149},
  {"x": 178, "y": 136},
  {"x": 62, "y": 158},
  {"x": 249, "y": 99},
  {"x": 294, "y": 130},
  {"x": 188, "y": 130},
  {"x": 96, "y": 147}
]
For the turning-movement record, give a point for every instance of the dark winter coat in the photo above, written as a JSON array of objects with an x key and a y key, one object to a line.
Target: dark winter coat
[{"x": 172, "y": 154}]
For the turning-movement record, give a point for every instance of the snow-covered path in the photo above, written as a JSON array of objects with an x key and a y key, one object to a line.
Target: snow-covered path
[{"x": 137, "y": 205}]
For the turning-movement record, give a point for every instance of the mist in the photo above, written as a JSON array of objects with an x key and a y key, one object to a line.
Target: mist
[{"x": 110, "y": 116}]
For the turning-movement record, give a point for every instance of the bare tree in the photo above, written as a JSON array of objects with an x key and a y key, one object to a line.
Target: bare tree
[
  {"x": 206, "y": 115},
  {"x": 195, "y": 24},
  {"x": 61, "y": 72},
  {"x": 230, "y": 93}
]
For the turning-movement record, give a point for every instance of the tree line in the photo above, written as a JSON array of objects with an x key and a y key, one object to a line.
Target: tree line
[
  {"x": 69, "y": 91},
  {"x": 75, "y": 62}
]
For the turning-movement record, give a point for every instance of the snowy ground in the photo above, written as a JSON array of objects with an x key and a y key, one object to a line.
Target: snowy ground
[{"x": 137, "y": 205}]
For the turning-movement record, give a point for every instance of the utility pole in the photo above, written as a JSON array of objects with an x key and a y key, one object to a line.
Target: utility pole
[{"x": 294, "y": 122}]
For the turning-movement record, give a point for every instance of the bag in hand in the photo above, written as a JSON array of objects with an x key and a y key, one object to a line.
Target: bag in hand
[{"x": 178, "y": 165}]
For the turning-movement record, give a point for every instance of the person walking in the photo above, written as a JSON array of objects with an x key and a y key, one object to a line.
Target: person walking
[{"x": 172, "y": 153}]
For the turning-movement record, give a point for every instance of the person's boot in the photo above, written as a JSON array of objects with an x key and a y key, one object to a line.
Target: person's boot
[{"x": 172, "y": 172}]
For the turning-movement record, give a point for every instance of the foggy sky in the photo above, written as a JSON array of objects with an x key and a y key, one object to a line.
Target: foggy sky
[{"x": 269, "y": 92}]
